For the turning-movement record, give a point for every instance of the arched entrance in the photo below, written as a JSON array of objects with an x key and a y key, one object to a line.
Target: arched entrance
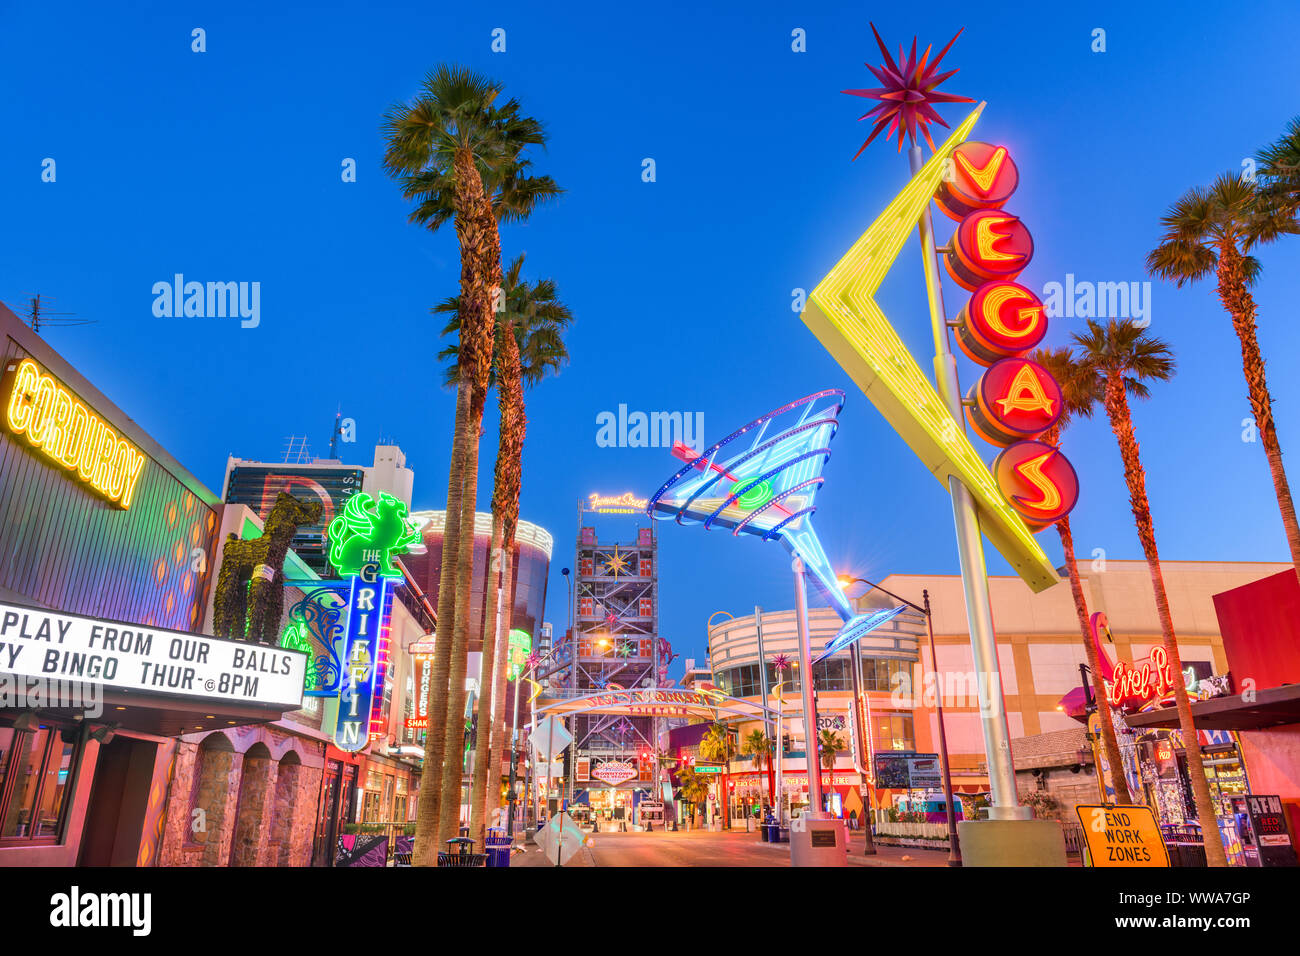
[
  {"x": 288, "y": 780},
  {"x": 254, "y": 789},
  {"x": 207, "y": 824}
]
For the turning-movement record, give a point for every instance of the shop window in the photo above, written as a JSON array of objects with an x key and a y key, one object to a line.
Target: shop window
[{"x": 36, "y": 771}]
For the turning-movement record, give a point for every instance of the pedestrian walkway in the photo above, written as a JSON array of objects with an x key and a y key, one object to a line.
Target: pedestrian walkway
[{"x": 713, "y": 848}]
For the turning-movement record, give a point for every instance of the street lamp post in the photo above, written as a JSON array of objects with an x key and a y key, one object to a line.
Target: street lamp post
[
  {"x": 954, "y": 847},
  {"x": 855, "y": 655},
  {"x": 815, "y": 808}
]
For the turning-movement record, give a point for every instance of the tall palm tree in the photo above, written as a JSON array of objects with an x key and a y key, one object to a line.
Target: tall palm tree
[
  {"x": 828, "y": 743},
  {"x": 1082, "y": 391},
  {"x": 530, "y": 346},
  {"x": 1213, "y": 230},
  {"x": 535, "y": 350},
  {"x": 1124, "y": 358},
  {"x": 458, "y": 156}
]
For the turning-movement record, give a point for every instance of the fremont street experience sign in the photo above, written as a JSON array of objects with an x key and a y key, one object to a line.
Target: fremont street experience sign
[{"x": 50, "y": 646}]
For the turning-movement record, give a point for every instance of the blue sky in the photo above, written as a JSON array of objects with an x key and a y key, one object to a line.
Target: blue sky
[{"x": 225, "y": 166}]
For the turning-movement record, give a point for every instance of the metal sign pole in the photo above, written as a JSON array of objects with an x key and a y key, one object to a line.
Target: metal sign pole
[{"x": 815, "y": 810}]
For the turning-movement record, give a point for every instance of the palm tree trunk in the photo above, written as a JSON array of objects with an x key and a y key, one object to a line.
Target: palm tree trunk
[
  {"x": 480, "y": 272},
  {"x": 483, "y": 741},
  {"x": 1121, "y": 423},
  {"x": 500, "y": 734},
  {"x": 505, "y": 502},
  {"x": 1109, "y": 742},
  {"x": 1239, "y": 303},
  {"x": 425, "y": 851}
]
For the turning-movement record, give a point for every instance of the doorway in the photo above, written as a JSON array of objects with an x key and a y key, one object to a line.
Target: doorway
[{"x": 119, "y": 799}]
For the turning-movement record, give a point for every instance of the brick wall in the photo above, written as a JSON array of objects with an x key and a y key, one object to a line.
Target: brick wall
[{"x": 257, "y": 789}]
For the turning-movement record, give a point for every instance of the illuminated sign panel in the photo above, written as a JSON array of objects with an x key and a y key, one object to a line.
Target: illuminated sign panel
[
  {"x": 1014, "y": 400},
  {"x": 1001, "y": 320},
  {"x": 51, "y": 419},
  {"x": 362, "y": 661},
  {"x": 989, "y": 244},
  {"x": 614, "y": 772},
  {"x": 624, "y": 504},
  {"x": 1038, "y": 480},
  {"x": 980, "y": 176},
  {"x": 842, "y": 312},
  {"x": 131, "y": 657},
  {"x": 1130, "y": 687},
  {"x": 520, "y": 645}
]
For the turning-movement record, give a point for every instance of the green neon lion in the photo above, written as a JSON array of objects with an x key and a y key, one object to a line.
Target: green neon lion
[{"x": 370, "y": 532}]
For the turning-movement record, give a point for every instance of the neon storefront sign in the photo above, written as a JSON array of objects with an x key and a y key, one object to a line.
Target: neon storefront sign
[
  {"x": 614, "y": 772},
  {"x": 55, "y": 422},
  {"x": 625, "y": 503},
  {"x": 1133, "y": 686}
]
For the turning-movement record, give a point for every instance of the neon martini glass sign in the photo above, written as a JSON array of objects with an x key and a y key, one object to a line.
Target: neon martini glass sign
[{"x": 762, "y": 480}]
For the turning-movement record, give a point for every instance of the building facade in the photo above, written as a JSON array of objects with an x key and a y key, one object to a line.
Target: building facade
[{"x": 1039, "y": 650}]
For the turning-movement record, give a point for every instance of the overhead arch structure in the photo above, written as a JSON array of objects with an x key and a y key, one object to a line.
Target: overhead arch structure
[{"x": 703, "y": 704}]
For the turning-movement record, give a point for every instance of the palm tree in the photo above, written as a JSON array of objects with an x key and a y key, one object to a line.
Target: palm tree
[
  {"x": 1124, "y": 358},
  {"x": 718, "y": 745},
  {"x": 530, "y": 346},
  {"x": 1279, "y": 173},
  {"x": 1213, "y": 230},
  {"x": 829, "y": 743},
  {"x": 459, "y": 156},
  {"x": 760, "y": 747},
  {"x": 536, "y": 349},
  {"x": 1082, "y": 391},
  {"x": 693, "y": 788}
]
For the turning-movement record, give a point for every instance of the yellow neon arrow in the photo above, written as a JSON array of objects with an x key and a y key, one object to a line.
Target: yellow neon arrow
[{"x": 842, "y": 312}]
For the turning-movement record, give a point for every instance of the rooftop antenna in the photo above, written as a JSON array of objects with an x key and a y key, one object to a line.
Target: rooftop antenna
[
  {"x": 338, "y": 433},
  {"x": 37, "y": 315}
]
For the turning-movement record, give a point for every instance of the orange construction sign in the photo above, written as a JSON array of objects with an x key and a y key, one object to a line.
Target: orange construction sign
[{"x": 1123, "y": 836}]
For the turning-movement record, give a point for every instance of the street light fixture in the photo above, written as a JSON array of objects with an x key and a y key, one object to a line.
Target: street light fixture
[{"x": 954, "y": 847}]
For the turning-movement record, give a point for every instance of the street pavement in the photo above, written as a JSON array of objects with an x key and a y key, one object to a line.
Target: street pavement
[{"x": 706, "y": 848}]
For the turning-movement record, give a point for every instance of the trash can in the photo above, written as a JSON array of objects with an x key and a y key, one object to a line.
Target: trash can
[
  {"x": 498, "y": 847},
  {"x": 765, "y": 833}
]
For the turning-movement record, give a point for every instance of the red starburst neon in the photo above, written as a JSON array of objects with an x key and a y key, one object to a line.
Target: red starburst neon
[{"x": 909, "y": 88}]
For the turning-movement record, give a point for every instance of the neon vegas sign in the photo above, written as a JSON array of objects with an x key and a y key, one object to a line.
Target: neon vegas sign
[{"x": 51, "y": 419}]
